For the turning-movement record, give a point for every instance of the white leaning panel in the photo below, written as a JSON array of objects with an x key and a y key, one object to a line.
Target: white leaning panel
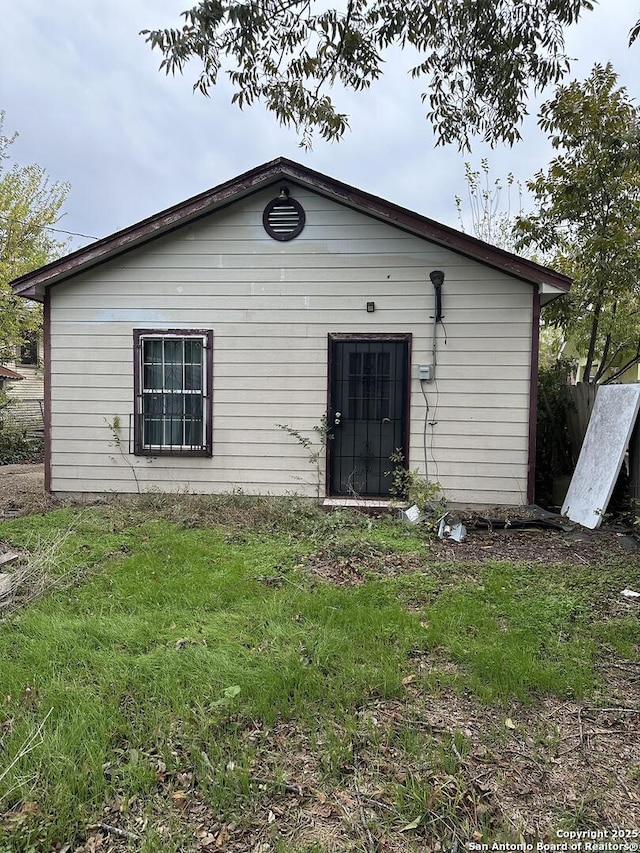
[{"x": 610, "y": 427}]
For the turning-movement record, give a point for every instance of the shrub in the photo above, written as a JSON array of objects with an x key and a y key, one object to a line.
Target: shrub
[
  {"x": 17, "y": 446},
  {"x": 553, "y": 450}
]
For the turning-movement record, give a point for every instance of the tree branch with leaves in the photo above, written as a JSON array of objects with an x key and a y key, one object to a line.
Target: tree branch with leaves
[
  {"x": 480, "y": 60},
  {"x": 588, "y": 217}
]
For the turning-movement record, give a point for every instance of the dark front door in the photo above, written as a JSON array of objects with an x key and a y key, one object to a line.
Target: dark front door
[{"x": 367, "y": 412}]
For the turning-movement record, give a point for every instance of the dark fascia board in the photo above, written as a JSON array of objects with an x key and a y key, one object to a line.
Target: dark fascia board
[
  {"x": 31, "y": 285},
  {"x": 7, "y": 373}
]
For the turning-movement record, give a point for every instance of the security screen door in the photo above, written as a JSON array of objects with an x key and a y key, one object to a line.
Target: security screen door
[{"x": 367, "y": 412}]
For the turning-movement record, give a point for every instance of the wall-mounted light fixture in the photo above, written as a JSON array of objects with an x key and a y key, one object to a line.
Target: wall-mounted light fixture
[
  {"x": 437, "y": 279},
  {"x": 284, "y": 193},
  {"x": 371, "y": 307}
]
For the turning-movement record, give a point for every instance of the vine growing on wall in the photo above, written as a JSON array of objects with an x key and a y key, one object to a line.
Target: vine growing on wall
[
  {"x": 316, "y": 453},
  {"x": 115, "y": 426}
]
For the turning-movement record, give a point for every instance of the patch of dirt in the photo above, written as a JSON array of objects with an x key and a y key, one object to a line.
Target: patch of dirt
[
  {"x": 571, "y": 546},
  {"x": 22, "y": 491},
  {"x": 550, "y": 547},
  {"x": 356, "y": 570},
  {"x": 575, "y": 546}
]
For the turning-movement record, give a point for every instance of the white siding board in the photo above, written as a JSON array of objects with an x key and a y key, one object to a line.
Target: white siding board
[
  {"x": 118, "y": 336},
  {"x": 292, "y": 310},
  {"x": 122, "y": 331},
  {"x": 456, "y": 416},
  {"x": 271, "y": 376},
  {"x": 448, "y": 443},
  {"x": 150, "y": 475},
  {"x": 242, "y": 280},
  {"x": 284, "y": 363},
  {"x": 470, "y": 344},
  {"x": 241, "y": 463},
  {"x": 84, "y": 444},
  {"x": 476, "y": 365},
  {"x": 302, "y": 298},
  {"x": 449, "y": 459},
  {"x": 271, "y": 307},
  {"x": 384, "y": 263},
  {"x": 91, "y": 413},
  {"x": 472, "y": 392},
  {"x": 92, "y": 383},
  {"x": 240, "y": 431},
  {"x": 278, "y": 402}
]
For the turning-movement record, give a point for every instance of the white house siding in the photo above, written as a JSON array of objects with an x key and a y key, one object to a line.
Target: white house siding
[
  {"x": 31, "y": 386},
  {"x": 271, "y": 306}
]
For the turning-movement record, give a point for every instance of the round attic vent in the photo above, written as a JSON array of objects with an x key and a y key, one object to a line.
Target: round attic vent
[{"x": 283, "y": 217}]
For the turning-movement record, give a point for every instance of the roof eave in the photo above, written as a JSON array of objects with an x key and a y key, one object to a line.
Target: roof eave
[
  {"x": 32, "y": 284},
  {"x": 445, "y": 236},
  {"x": 10, "y": 375}
]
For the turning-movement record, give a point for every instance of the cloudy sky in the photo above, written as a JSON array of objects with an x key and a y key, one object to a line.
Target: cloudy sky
[{"x": 82, "y": 88}]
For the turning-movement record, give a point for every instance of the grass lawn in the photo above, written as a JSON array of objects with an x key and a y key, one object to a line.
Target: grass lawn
[{"x": 192, "y": 683}]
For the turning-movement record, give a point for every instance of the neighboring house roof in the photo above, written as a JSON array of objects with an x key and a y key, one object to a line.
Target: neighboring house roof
[
  {"x": 32, "y": 284},
  {"x": 5, "y": 373}
]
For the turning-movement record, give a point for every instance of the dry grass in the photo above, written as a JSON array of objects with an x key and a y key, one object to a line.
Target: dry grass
[{"x": 41, "y": 569}]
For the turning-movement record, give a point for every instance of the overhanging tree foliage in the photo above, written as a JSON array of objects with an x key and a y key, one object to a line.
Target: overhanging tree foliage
[
  {"x": 588, "y": 218},
  {"x": 480, "y": 59},
  {"x": 29, "y": 206}
]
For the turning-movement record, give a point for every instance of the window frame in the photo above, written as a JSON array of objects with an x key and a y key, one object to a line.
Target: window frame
[{"x": 206, "y": 336}]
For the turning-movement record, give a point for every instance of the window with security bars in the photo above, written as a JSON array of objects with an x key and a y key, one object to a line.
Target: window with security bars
[
  {"x": 173, "y": 398},
  {"x": 369, "y": 385}
]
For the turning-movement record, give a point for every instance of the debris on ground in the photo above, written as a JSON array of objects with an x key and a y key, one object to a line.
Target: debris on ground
[
  {"x": 412, "y": 514},
  {"x": 450, "y": 527}
]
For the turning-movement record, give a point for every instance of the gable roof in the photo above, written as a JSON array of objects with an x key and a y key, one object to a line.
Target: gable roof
[{"x": 32, "y": 284}]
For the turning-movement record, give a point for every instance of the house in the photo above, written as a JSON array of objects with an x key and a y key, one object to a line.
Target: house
[
  {"x": 22, "y": 380},
  {"x": 621, "y": 370},
  {"x": 175, "y": 348},
  {"x": 26, "y": 363}
]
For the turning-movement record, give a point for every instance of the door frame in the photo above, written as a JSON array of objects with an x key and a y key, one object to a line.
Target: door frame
[{"x": 355, "y": 337}]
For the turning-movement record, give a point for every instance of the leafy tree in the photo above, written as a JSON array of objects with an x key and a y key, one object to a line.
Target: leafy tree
[
  {"x": 588, "y": 218},
  {"x": 29, "y": 206},
  {"x": 481, "y": 59}
]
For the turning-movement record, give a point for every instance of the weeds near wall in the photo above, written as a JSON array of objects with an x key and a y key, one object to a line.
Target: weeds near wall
[
  {"x": 411, "y": 486},
  {"x": 17, "y": 445},
  {"x": 116, "y": 441},
  {"x": 315, "y": 454}
]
